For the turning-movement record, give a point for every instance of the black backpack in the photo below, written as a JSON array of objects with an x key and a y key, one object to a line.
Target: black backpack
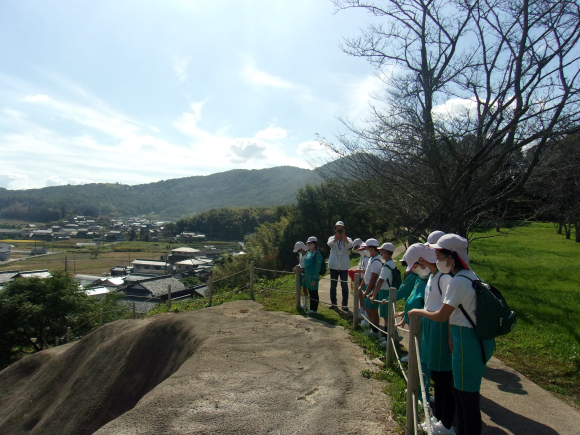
[
  {"x": 396, "y": 276},
  {"x": 493, "y": 314},
  {"x": 323, "y": 266}
]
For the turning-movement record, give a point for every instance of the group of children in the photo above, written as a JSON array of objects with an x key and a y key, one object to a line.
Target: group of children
[{"x": 438, "y": 289}]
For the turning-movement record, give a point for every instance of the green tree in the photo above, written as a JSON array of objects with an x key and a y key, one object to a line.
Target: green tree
[{"x": 34, "y": 311}]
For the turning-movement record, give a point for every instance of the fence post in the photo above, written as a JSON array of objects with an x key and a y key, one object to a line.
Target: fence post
[
  {"x": 252, "y": 280},
  {"x": 68, "y": 334},
  {"x": 101, "y": 318},
  {"x": 355, "y": 301},
  {"x": 298, "y": 287},
  {"x": 413, "y": 385},
  {"x": 391, "y": 326},
  {"x": 169, "y": 296},
  {"x": 210, "y": 289},
  {"x": 133, "y": 309}
]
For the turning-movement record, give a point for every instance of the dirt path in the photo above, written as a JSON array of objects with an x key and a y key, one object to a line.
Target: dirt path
[
  {"x": 511, "y": 404},
  {"x": 227, "y": 369}
]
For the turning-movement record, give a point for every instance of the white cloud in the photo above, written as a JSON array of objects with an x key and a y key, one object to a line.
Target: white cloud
[
  {"x": 8, "y": 179},
  {"x": 455, "y": 107},
  {"x": 247, "y": 151},
  {"x": 55, "y": 180},
  {"x": 271, "y": 133},
  {"x": 39, "y": 98},
  {"x": 154, "y": 129},
  {"x": 311, "y": 147},
  {"x": 180, "y": 67},
  {"x": 254, "y": 75}
]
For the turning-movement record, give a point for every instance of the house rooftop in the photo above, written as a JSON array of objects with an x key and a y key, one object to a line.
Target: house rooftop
[
  {"x": 34, "y": 274},
  {"x": 185, "y": 250}
]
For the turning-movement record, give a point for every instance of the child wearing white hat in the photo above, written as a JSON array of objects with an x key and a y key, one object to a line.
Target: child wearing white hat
[
  {"x": 385, "y": 280},
  {"x": 312, "y": 265},
  {"x": 469, "y": 354},
  {"x": 371, "y": 277},
  {"x": 361, "y": 269},
  {"x": 302, "y": 249}
]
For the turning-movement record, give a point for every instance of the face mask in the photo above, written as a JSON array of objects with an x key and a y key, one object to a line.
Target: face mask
[
  {"x": 423, "y": 273},
  {"x": 364, "y": 253},
  {"x": 442, "y": 266}
]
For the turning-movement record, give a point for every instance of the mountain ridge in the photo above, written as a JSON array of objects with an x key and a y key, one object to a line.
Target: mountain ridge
[{"x": 164, "y": 199}]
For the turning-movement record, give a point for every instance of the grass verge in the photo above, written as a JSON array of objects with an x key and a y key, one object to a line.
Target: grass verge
[{"x": 535, "y": 269}]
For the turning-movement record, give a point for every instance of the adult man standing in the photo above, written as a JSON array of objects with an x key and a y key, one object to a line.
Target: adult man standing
[{"x": 339, "y": 263}]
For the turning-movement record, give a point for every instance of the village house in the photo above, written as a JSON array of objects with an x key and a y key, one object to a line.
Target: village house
[
  {"x": 5, "y": 249},
  {"x": 152, "y": 267}
]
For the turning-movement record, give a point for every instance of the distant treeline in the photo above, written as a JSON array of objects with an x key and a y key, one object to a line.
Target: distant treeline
[{"x": 168, "y": 199}]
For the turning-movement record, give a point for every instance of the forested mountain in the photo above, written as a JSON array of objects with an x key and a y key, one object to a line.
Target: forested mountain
[{"x": 166, "y": 199}]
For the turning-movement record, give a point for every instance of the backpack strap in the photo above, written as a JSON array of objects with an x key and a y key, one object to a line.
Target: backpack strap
[
  {"x": 460, "y": 306},
  {"x": 391, "y": 269}
]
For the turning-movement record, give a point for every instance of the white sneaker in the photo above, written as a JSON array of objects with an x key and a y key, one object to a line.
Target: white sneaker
[
  {"x": 310, "y": 311},
  {"x": 370, "y": 333},
  {"x": 439, "y": 429},
  {"x": 423, "y": 425},
  {"x": 364, "y": 323}
]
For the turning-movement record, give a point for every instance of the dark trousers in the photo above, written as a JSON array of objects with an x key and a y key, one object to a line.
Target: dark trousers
[
  {"x": 444, "y": 408},
  {"x": 468, "y": 413},
  {"x": 343, "y": 283},
  {"x": 313, "y": 299}
]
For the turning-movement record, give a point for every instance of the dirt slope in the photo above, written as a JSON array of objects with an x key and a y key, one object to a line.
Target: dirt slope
[{"x": 227, "y": 369}]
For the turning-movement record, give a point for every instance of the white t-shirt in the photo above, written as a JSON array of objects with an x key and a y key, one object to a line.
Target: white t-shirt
[
  {"x": 433, "y": 297},
  {"x": 302, "y": 257},
  {"x": 461, "y": 291},
  {"x": 387, "y": 274},
  {"x": 374, "y": 266}
]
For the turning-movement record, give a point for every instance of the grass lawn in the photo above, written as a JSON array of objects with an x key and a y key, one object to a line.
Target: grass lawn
[{"x": 536, "y": 271}]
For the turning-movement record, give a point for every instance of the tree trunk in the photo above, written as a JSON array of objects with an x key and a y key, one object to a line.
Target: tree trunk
[
  {"x": 577, "y": 233},
  {"x": 568, "y": 229},
  {"x": 559, "y": 227}
]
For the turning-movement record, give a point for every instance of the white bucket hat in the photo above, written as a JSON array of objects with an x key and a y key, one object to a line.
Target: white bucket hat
[
  {"x": 387, "y": 247},
  {"x": 300, "y": 245},
  {"x": 341, "y": 223},
  {"x": 417, "y": 251},
  {"x": 311, "y": 239},
  {"x": 356, "y": 243},
  {"x": 372, "y": 242},
  {"x": 434, "y": 237},
  {"x": 457, "y": 244}
]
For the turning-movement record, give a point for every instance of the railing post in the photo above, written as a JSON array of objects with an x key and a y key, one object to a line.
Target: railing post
[
  {"x": 391, "y": 326},
  {"x": 413, "y": 385},
  {"x": 68, "y": 334},
  {"x": 133, "y": 309},
  {"x": 169, "y": 296},
  {"x": 252, "y": 280},
  {"x": 355, "y": 301},
  {"x": 210, "y": 289},
  {"x": 298, "y": 287},
  {"x": 101, "y": 318}
]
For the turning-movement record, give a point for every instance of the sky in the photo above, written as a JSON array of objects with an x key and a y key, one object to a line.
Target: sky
[{"x": 135, "y": 92}]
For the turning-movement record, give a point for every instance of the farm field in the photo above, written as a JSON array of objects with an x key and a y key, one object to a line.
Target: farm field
[{"x": 81, "y": 259}]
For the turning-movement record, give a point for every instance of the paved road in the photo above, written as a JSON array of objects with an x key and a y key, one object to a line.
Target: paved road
[{"x": 511, "y": 404}]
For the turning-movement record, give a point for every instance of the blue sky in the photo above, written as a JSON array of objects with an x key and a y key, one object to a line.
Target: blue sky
[{"x": 134, "y": 92}]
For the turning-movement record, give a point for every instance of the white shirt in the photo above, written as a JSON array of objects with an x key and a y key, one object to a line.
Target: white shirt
[
  {"x": 461, "y": 291},
  {"x": 339, "y": 259},
  {"x": 362, "y": 264},
  {"x": 374, "y": 266},
  {"x": 387, "y": 274},
  {"x": 302, "y": 257},
  {"x": 435, "y": 290}
]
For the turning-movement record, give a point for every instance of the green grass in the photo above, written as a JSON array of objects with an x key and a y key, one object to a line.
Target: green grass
[{"x": 536, "y": 271}]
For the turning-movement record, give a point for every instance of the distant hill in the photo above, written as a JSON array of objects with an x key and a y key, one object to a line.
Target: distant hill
[{"x": 167, "y": 199}]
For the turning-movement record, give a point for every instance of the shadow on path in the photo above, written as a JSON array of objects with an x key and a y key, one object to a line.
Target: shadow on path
[
  {"x": 507, "y": 382},
  {"x": 517, "y": 424}
]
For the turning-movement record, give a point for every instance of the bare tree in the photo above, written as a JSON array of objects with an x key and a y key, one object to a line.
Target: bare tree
[{"x": 474, "y": 89}]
